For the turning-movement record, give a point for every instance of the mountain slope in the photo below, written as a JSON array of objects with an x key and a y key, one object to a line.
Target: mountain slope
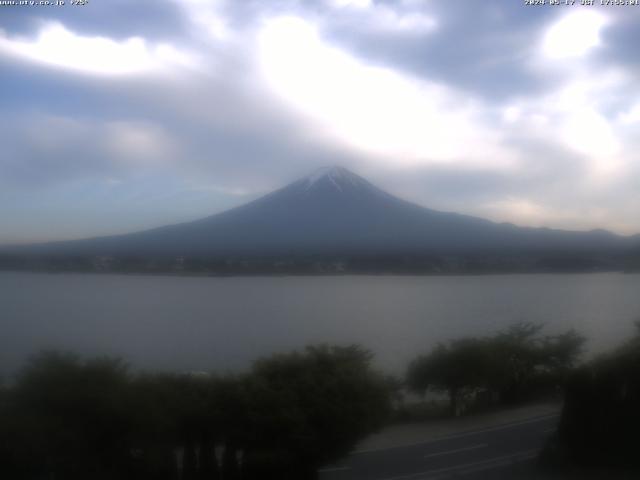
[{"x": 336, "y": 212}]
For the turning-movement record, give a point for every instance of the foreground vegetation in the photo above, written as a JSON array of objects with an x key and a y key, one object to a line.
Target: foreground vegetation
[
  {"x": 506, "y": 368},
  {"x": 600, "y": 419},
  {"x": 70, "y": 418},
  {"x": 601, "y": 416}
]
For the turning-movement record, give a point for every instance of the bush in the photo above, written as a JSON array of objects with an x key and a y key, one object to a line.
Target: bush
[
  {"x": 511, "y": 366},
  {"x": 601, "y": 420},
  {"x": 75, "y": 419}
]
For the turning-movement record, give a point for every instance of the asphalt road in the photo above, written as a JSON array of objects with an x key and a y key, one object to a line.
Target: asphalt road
[{"x": 500, "y": 452}]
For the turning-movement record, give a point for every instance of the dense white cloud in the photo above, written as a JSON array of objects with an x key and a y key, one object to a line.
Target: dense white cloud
[
  {"x": 206, "y": 16},
  {"x": 351, "y": 3},
  {"x": 386, "y": 20},
  {"x": 57, "y": 46}
]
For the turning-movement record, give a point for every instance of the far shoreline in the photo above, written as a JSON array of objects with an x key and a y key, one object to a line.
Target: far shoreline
[{"x": 170, "y": 274}]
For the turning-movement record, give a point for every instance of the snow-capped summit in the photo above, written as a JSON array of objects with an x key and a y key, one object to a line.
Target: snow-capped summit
[
  {"x": 338, "y": 177},
  {"x": 332, "y": 182}
]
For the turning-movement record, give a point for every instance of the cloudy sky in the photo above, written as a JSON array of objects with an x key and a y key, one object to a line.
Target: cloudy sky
[{"x": 120, "y": 115}]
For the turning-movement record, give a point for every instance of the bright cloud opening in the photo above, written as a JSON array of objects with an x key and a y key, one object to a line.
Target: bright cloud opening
[
  {"x": 589, "y": 133},
  {"x": 574, "y": 35},
  {"x": 57, "y": 46},
  {"x": 351, "y": 3},
  {"x": 371, "y": 108},
  {"x": 511, "y": 114}
]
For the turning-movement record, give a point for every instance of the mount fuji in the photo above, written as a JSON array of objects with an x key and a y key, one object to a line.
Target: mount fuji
[{"x": 336, "y": 213}]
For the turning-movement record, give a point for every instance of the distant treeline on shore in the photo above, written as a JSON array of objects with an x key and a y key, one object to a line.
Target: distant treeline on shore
[{"x": 412, "y": 264}]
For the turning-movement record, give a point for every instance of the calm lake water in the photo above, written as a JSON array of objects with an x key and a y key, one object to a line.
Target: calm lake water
[{"x": 195, "y": 323}]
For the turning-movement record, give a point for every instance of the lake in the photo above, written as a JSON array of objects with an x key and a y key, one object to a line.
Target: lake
[{"x": 223, "y": 324}]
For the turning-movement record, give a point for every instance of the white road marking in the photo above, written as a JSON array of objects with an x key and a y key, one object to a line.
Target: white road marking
[
  {"x": 464, "y": 449},
  {"x": 498, "y": 462},
  {"x": 469, "y": 467},
  {"x": 460, "y": 435}
]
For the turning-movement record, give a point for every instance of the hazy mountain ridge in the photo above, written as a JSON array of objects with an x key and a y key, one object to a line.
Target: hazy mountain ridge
[{"x": 335, "y": 213}]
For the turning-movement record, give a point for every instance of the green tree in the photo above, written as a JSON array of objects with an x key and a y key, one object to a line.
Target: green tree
[
  {"x": 516, "y": 356},
  {"x": 457, "y": 368},
  {"x": 511, "y": 364},
  {"x": 71, "y": 417},
  {"x": 311, "y": 407},
  {"x": 68, "y": 418}
]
